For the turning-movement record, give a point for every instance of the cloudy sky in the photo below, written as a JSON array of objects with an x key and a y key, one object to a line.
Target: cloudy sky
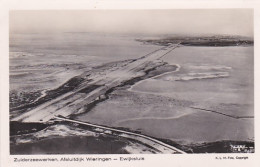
[{"x": 186, "y": 21}]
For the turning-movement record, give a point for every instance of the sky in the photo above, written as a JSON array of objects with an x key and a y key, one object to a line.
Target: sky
[{"x": 175, "y": 21}]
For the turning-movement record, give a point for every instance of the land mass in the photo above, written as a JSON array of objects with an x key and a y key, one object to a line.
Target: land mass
[{"x": 216, "y": 40}]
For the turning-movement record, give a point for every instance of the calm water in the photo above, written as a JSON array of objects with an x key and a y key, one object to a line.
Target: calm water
[
  {"x": 212, "y": 78},
  {"x": 44, "y": 61}
]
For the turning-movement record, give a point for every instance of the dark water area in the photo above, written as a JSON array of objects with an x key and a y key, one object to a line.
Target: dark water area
[
  {"x": 19, "y": 128},
  {"x": 71, "y": 145}
]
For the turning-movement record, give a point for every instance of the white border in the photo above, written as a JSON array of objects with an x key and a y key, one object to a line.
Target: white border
[{"x": 150, "y": 160}]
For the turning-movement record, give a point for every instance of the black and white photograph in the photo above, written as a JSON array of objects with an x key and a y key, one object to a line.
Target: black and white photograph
[{"x": 117, "y": 81}]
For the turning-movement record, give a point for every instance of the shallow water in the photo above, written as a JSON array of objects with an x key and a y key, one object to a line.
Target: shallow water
[
  {"x": 223, "y": 76},
  {"x": 45, "y": 61},
  {"x": 212, "y": 78}
]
